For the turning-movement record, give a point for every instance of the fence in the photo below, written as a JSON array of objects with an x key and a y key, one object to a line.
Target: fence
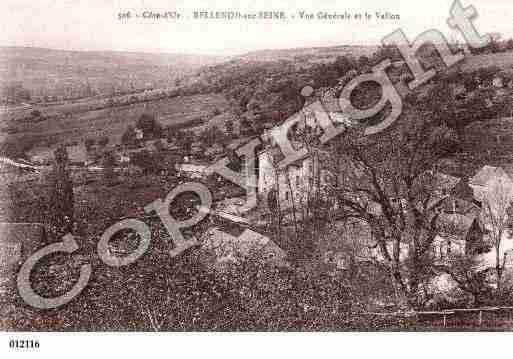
[{"x": 485, "y": 318}]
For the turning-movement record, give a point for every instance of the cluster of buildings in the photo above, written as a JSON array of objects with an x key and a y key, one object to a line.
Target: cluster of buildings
[
  {"x": 469, "y": 211},
  {"x": 464, "y": 227}
]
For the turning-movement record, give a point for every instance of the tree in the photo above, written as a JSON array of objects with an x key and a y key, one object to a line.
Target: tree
[
  {"x": 495, "y": 39},
  {"x": 229, "y": 128},
  {"x": 109, "y": 162},
  {"x": 129, "y": 137},
  {"x": 509, "y": 44},
  {"x": 364, "y": 63},
  {"x": 463, "y": 269},
  {"x": 149, "y": 125},
  {"x": 470, "y": 83},
  {"x": 171, "y": 133},
  {"x": 147, "y": 162},
  {"x": 35, "y": 113},
  {"x": 215, "y": 135},
  {"x": 246, "y": 129},
  {"x": 168, "y": 170},
  {"x": 61, "y": 202},
  {"x": 343, "y": 64},
  {"x": 386, "y": 52},
  {"x": 159, "y": 146},
  {"x": 389, "y": 183},
  {"x": 103, "y": 141},
  {"x": 496, "y": 207},
  {"x": 440, "y": 103},
  {"x": 19, "y": 147},
  {"x": 185, "y": 141},
  {"x": 486, "y": 74},
  {"x": 89, "y": 143}
]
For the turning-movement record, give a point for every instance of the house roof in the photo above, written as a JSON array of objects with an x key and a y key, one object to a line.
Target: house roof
[
  {"x": 455, "y": 225},
  {"x": 11, "y": 164},
  {"x": 457, "y": 88},
  {"x": 40, "y": 154},
  {"x": 151, "y": 144},
  {"x": 239, "y": 142},
  {"x": 444, "y": 182},
  {"x": 505, "y": 72},
  {"x": 77, "y": 153},
  {"x": 487, "y": 173},
  {"x": 192, "y": 167},
  {"x": 214, "y": 149},
  {"x": 463, "y": 191},
  {"x": 435, "y": 187},
  {"x": 276, "y": 155},
  {"x": 231, "y": 249}
]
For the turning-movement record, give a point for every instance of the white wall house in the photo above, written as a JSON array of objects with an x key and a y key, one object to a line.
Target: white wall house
[
  {"x": 497, "y": 82},
  {"x": 192, "y": 170},
  {"x": 293, "y": 183},
  {"x": 491, "y": 184},
  {"x": 493, "y": 188}
]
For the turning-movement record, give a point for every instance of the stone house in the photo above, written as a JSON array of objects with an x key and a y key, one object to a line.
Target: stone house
[
  {"x": 41, "y": 155},
  {"x": 493, "y": 190},
  {"x": 139, "y": 134},
  {"x": 492, "y": 185},
  {"x": 192, "y": 169},
  {"x": 294, "y": 183},
  {"x": 77, "y": 154}
]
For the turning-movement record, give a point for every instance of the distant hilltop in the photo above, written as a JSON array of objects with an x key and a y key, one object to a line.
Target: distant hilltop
[
  {"x": 328, "y": 52},
  {"x": 8, "y": 53},
  {"x": 27, "y": 72}
]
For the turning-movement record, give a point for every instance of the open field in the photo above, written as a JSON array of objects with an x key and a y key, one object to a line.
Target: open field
[
  {"x": 313, "y": 54},
  {"x": 113, "y": 122}
]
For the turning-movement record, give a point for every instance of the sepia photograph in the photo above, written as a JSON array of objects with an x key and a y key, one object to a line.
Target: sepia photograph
[{"x": 260, "y": 167}]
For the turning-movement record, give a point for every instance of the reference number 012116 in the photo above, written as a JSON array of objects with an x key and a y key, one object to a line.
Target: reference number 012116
[{"x": 23, "y": 344}]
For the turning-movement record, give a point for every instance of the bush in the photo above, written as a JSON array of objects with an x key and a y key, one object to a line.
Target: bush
[
  {"x": 35, "y": 113},
  {"x": 150, "y": 126},
  {"x": 147, "y": 162},
  {"x": 103, "y": 141}
]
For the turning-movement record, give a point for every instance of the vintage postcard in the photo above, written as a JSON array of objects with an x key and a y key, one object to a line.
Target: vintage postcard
[{"x": 243, "y": 166}]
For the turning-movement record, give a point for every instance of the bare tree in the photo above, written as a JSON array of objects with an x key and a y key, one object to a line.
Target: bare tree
[
  {"x": 293, "y": 203},
  {"x": 496, "y": 203},
  {"x": 390, "y": 183},
  {"x": 461, "y": 263},
  {"x": 274, "y": 199},
  {"x": 61, "y": 193}
]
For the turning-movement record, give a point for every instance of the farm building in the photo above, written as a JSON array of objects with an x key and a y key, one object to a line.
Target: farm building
[
  {"x": 77, "y": 154},
  {"x": 192, "y": 169}
]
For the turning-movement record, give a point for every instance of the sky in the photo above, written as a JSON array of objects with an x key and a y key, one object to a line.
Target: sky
[{"x": 94, "y": 24}]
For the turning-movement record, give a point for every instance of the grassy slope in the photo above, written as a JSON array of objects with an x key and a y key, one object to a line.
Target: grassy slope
[
  {"x": 85, "y": 123},
  {"x": 488, "y": 142},
  {"x": 113, "y": 122},
  {"x": 503, "y": 60},
  {"x": 40, "y": 68}
]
